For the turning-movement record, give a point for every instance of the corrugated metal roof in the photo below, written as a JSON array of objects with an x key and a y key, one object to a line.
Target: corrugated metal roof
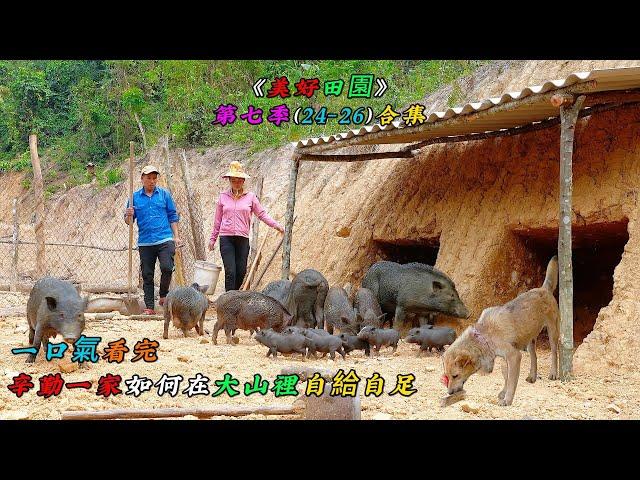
[{"x": 522, "y": 113}]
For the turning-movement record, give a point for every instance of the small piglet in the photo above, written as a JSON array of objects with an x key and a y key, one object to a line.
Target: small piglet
[
  {"x": 431, "y": 337},
  {"x": 352, "y": 342},
  {"x": 380, "y": 337},
  {"x": 326, "y": 344},
  {"x": 276, "y": 342}
]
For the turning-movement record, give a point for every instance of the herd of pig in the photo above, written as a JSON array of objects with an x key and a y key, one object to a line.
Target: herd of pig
[{"x": 298, "y": 316}]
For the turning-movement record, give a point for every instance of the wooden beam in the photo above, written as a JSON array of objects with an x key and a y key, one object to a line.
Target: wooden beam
[
  {"x": 569, "y": 116},
  {"x": 356, "y": 157},
  {"x": 16, "y": 239},
  {"x": 227, "y": 411},
  {"x": 560, "y": 99},
  {"x": 371, "y": 138},
  {"x": 291, "y": 203},
  {"x": 39, "y": 193}
]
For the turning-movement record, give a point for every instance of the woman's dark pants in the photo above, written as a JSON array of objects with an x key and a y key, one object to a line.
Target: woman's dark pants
[{"x": 235, "y": 252}]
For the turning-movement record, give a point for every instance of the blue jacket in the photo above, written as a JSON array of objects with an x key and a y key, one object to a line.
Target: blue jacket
[{"x": 154, "y": 215}]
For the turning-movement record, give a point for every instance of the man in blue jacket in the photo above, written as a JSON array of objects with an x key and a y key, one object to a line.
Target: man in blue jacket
[{"x": 155, "y": 211}]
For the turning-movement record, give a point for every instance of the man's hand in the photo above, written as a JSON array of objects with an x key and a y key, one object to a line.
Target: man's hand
[
  {"x": 128, "y": 215},
  {"x": 178, "y": 241}
]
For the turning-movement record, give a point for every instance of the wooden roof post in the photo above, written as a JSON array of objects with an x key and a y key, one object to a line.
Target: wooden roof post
[
  {"x": 568, "y": 116},
  {"x": 291, "y": 203}
]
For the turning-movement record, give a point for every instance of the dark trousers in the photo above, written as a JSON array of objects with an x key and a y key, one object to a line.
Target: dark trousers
[
  {"x": 235, "y": 252},
  {"x": 163, "y": 252}
]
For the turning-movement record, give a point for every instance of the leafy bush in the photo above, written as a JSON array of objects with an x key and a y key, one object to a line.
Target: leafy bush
[{"x": 84, "y": 111}]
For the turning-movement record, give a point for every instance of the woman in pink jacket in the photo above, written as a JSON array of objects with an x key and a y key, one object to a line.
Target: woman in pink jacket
[{"x": 232, "y": 223}]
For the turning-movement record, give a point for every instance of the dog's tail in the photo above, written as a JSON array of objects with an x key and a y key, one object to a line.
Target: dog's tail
[{"x": 551, "y": 279}]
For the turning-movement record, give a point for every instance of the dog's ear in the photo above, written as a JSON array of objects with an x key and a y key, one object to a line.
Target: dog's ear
[{"x": 463, "y": 359}]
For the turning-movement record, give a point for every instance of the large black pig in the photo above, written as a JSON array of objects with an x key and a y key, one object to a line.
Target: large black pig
[
  {"x": 306, "y": 299},
  {"x": 413, "y": 290}
]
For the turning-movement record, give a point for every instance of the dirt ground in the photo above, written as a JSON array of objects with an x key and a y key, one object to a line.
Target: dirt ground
[{"x": 587, "y": 397}]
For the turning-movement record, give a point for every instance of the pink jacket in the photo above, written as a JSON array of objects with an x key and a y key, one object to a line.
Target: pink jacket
[{"x": 233, "y": 217}]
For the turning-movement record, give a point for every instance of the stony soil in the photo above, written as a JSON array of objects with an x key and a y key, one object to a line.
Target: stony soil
[
  {"x": 587, "y": 397},
  {"x": 471, "y": 198}
]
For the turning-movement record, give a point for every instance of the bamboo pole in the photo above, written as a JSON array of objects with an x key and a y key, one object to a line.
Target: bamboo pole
[
  {"x": 245, "y": 283},
  {"x": 291, "y": 203},
  {"x": 130, "y": 272},
  {"x": 198, "y": 241},
  {"x": 569, "y": 116},
  {"x": 266, "y": 267},
  {"x": 16, "y": 239},
  {"x": 255, "y": 223},
  {"x": 39, "y": 193},
  {"x": 227, "y": 411}
]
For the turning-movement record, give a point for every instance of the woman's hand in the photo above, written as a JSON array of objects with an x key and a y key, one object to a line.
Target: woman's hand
[
  {"x": 280, "y": 229},
  {"x": 212, "y": 245}
]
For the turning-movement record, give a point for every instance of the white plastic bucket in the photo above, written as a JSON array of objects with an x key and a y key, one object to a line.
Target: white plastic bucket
[{"x": 206, "y": 273}]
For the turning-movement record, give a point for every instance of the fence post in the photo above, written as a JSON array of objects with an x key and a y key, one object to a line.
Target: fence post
[
  {"x": 39, "y": 193},
  {"x": 178, "y": 278},
  {"x": 192, "y": 205},
  {"x": 130, "y": 274},
  {"x": 16, "y": 238}
]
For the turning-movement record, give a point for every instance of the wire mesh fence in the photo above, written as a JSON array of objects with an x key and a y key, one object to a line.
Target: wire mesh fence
[{"x": 88, "y": 241}]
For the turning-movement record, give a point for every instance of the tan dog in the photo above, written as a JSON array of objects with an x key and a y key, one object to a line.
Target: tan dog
[{"x": 504, "y": 331}]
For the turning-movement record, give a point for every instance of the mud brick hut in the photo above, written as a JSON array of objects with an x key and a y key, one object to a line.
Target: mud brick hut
[{"x": 505, "y": 184}]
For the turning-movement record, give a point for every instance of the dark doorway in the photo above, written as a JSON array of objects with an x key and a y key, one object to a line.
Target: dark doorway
[
  {"x": 597, "y": 250},
  {"x": 407, "y": 251}
]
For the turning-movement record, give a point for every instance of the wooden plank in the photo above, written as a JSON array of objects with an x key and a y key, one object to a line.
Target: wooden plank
[
  {"x": 146, "y": 318},
  {"x": 227, "y": 411},
  {"x": 569, "y": 116},
  {"x": 39, "y": 194},
  {"x": 288, "y": 229}
]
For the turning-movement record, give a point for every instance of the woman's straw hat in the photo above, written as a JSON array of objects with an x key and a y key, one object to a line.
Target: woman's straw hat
[{"x": 235, "y": 170}]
